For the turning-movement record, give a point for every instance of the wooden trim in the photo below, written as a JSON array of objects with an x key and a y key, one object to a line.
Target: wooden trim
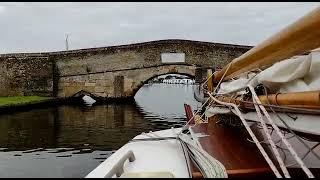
[
  {"x": 248, "y": 171},
  {"x": 304, "y": 99},
  {"x": 240, "y": 172},
  {"x": 209, "y": 77},
  {"x": 196, "y": 175},
  {"x": 307, "y": 99}
]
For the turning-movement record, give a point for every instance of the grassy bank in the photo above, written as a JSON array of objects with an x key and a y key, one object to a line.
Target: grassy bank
[{"x": 15, "y": 100}]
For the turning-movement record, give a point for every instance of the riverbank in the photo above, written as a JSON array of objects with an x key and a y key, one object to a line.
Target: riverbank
[
  {"x": 18, "y": 103},
  {"x": 19, "y": 100},
  {"x": 23, "y": 103}
]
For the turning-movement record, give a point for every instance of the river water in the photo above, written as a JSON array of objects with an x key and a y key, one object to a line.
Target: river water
[{"x": 70, "y": 141}]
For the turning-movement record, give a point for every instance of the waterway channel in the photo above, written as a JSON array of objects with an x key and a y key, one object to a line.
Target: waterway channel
[{"x": 70, "y": 141}]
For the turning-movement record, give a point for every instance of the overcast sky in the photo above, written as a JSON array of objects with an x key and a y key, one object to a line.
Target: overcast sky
[{"x": 34, "y": 27}]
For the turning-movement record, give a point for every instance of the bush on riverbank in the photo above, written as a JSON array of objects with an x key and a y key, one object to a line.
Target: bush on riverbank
[{"x": 20, "y": 100}]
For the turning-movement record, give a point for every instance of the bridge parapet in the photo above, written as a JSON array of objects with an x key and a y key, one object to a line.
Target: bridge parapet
[{"x": 115, "y": 71}]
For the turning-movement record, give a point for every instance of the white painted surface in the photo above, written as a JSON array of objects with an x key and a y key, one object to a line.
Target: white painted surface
[
  {"x": 172, "y": 57},
  {"x": 297, "y": 74},
  {"x": 304, "y": 123},
  {"x": 151, "y": 156},
  {"x": 88, "y": 100}
]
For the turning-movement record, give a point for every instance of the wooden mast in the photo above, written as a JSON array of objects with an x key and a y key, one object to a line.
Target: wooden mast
[{"x": 298, "y": 38}]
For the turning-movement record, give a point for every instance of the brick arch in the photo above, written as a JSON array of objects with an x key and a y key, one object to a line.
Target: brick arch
[
  {"x": 172, "y": 69},
  {"x": 120, "y": 71}
]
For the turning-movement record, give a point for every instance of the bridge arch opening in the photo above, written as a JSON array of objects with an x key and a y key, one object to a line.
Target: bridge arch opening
[
  {"x": 160, "y": 76},
  {"x": 164, "y": 100}
]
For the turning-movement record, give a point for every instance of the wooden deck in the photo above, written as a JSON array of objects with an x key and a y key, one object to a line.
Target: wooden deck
[{"x": 240, "y": 157}]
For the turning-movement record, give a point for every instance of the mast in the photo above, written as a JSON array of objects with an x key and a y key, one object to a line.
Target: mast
[{"x": 298, "y": 38}]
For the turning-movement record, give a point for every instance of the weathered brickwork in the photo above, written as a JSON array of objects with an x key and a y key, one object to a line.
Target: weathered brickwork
[
  {"x": 115, "y": 71},
  {"x": 26, "y": 76},
  {"x": 117, "y": 84}
]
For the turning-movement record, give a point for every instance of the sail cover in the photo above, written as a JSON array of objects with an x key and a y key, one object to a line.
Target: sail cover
[{"x": 299, "y": 73}]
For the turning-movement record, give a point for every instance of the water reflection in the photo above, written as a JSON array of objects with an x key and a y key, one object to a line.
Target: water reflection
[
  {"x": 71, "y": 136},
  {"x": 165, "y": 101},
  {"x": 104, "y": 127}
]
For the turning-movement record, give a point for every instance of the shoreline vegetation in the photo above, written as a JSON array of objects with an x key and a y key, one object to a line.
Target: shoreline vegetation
[
  {"x": 21, "y": 100},
  {"x": 22, "y": 103}
]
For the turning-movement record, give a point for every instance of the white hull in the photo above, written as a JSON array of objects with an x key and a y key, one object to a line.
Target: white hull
[{"x": 162, "y": 158}]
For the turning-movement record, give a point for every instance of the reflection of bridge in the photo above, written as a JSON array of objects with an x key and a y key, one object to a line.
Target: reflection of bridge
[{"x": 116, "y": 71}]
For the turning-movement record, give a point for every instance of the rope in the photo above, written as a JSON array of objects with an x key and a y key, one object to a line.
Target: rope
[
  {"x": 263, "y": 152},
  {"x": 273, "y": 146},
  {"x": 207, "y": 98},
  {"x": 305, "y": 155},
  {"x": 214, "y": 91},
  {"x": 185, "y": 154},
  {"x": 291, "y": 150},
  {"x": 198, "y": 156},
  {"x": 292, "y": 132},
  {"x": 210, "y": 167},
  {"x": 258, "y": 105}
]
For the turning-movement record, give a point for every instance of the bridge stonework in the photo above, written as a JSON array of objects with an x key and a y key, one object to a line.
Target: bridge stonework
[
  {"x": 114, "y": 71},
  {"x": 119, "y": 83}
]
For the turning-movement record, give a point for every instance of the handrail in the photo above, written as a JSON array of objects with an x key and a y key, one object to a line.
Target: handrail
[{"x": 118, "y": 167}]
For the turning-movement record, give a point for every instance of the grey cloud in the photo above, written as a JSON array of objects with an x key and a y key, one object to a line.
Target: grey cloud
[{"x": 33, "y": 27}]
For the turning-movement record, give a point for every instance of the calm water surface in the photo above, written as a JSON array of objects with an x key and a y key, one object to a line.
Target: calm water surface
[{"x": 70, "y": 141}]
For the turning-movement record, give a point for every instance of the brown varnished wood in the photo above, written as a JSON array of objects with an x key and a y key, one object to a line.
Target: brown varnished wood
[
  {"x": 305, "y": 100},
  {"x": 241, "y": 158},
  {"x": 231, "y": 148},
  {"x": 209, "y": 81}
]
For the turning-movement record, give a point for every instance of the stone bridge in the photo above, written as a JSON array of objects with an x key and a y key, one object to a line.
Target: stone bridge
[
  {"x": 116, "y": 83},
  {"x": 113, "y": 72}
]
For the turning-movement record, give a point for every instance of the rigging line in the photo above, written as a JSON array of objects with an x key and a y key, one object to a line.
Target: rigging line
[
  {"x": 152, "y": 139},
  {"x": 204, "y": 156},
  {"x": 279, "y": 147},
  {"x": 195, "y": 113},
  {"x": 274, "y": 143},
  {"x": 208, "y": 98},
  {"x": 311, "y": 149},
  {"x": 247, "y": 72},
  {"x": 210, "y": 103},
  {"x": 214, "y": 91},
  {"x": 186, "y": 157},
  {"x": 204, "y": 161},
  {"x": 202, "y": 86},
  {"x": 263, "y": 152},
  {"x": 292, "y": 151},
  {"x": 201, "y": 153},
  {"x": 193, "y": 159},
  {"x": 305, "y": 155},
  {"x": 273, "y": 146},
  {"x": 291, "y": 131}
]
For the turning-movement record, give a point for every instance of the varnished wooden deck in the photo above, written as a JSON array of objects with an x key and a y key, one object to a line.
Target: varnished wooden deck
[
  {"x": 232, "y": 149},
  {"x": 240, "y": 157}
]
